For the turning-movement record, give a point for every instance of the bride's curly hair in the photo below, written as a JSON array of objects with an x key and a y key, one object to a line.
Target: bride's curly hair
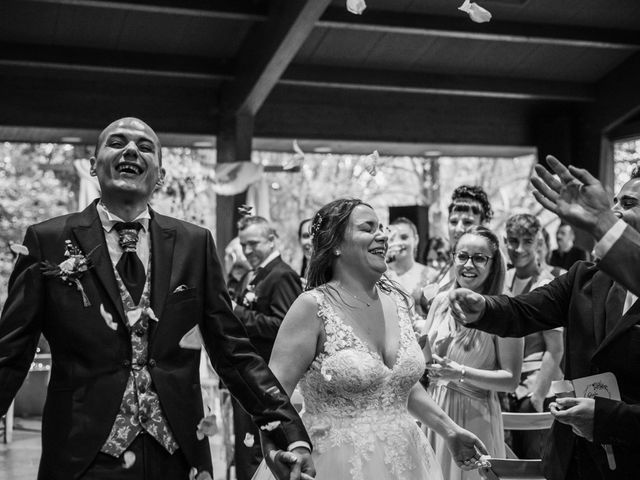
[{"x": 327, "y": 229}]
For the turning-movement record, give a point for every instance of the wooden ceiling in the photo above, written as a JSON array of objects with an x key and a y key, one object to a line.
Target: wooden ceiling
[{"x": 406, "y": 72}]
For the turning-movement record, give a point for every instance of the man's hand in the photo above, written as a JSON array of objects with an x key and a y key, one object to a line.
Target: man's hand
[
  {"x": 576, "y": 412},
  {"x": 465, "y": 449},
  {"x": 577, "y": 198},
  {"x": 294, "y": 465},
  {"x": 466, "y": 305}
]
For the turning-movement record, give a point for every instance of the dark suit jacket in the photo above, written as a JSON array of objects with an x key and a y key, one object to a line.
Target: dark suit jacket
[
  {"x": 275, "y": 287},
  {"x": 91, "y": 362},
  {"x": 596, "y": 341}
]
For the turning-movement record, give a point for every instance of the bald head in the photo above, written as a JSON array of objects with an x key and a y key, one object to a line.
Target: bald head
[{"x": 131, "y": 123}]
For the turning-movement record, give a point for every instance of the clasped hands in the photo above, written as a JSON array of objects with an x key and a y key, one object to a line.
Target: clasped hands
[{"x": 294, "y": 465}]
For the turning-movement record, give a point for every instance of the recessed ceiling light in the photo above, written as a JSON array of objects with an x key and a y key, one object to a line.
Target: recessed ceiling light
[
  {"x": 433, "y": 153},
  {"x": 203, "y": 144},
  {"x": 70, "y": 139},
  {"x": 322, "y": 149}
]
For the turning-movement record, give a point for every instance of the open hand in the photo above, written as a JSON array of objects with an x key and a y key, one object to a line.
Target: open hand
[
  {"x": 466, "y": 305},
  {"x": 577, "y": 197},
  {"x": 577, "y": 412},
  {"x": 466, "y": 449}
]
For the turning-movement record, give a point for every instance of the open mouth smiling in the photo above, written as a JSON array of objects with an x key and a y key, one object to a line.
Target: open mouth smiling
[
  {"x": 130, "y": 168},
  {"x": 381, "y": 252}
]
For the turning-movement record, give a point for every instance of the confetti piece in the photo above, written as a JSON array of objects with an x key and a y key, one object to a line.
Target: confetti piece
[
  {"x": 245, "y": 210},
  {"x": 249, "y": 440},
  {"x": 477, "y": 13},
  {"x": 19, "y": 249},
  {"x": 356, "y": 6},
  {"x": 371, "y": 163},
  {"x": 108, "y": 318},
  {"x": 208, "y": 426},
  {"x": 270, "y": 426},
  {"x": 151, "y": 314},
  {"x": 129, "y": 458}
]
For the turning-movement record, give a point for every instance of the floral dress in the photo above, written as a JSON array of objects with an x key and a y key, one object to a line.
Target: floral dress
[{"x": 356, "y": 406}]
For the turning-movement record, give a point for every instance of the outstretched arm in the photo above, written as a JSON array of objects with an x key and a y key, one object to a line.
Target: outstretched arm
[
  {"x": 464, "y": 446},
  {"x": 580, "y": 200}
]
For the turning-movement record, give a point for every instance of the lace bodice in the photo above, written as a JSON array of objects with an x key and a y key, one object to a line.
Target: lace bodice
[{"x": 353, "y": 398}]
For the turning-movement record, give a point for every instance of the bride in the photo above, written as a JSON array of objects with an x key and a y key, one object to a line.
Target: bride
[{"x": 349, "y": 344}]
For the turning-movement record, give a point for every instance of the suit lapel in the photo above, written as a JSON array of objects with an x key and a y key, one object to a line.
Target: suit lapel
[
  {"x": 622, "y": 325},
  {"x": 600, "y": 287},
  {"x": 264, "y": 271},
  {"x": 89, "y": 234},
  {"x": 162, "y": 245}
]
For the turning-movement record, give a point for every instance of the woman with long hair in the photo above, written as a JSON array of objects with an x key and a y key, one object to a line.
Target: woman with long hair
[
  {"x": 469, "y": 366},
  {"x": 349, "y": 344}
]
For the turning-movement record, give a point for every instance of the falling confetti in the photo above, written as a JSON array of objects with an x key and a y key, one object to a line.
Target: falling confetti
[
  {"x": 128, "y": 459},
  {"x": 245, "y": 210},
  {"x": 271, "y": 426},
  {"x": 19, "y": 249},
  {"x": 208, "y": 427},
  {"x": 477, "y": 13},
  {"x": 249, "y": 440},
  {"x": 108, "y": 318},
  {"x": 371, "y": 163},
  {"x": 356, "y": 6}
]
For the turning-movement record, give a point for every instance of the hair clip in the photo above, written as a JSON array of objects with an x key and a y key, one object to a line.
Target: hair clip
[
  {"x": 245, "y": 210},
  {"x": 315, "y": 225}
]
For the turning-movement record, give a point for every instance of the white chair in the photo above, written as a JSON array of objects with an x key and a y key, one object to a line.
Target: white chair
[
  {"x": 512, "y": 468},
  {"x": 8, "y": 425}
]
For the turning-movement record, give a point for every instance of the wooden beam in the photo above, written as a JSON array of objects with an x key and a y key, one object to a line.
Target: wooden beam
[
  {"x": 389, "y": 22},
  {"x": 267, "y": 52},
  {"x": 461, "y": 27},
  {"x": 113, "y": 62},
  {"x": 198, "y": 68},
  {"x": 436, "y": 84},
  {"x": 230, "y": 9},
  {"x": 618, "y": 95},
  {"x": 233, "y": 144}
]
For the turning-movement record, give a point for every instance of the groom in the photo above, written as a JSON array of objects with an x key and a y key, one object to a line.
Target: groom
[{"x": 121, "y": 292}]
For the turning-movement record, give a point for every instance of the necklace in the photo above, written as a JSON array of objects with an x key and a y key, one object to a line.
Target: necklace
[{"x": 368, "y": 304}]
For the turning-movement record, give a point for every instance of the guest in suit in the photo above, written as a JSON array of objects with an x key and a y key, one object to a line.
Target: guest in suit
[
  {"x": 567, "y": 253},
  {"x": 117, "y": 290},
  {"x": 269, "y": 290},
  {"x": 600, "y": 320},
  {"x": 304, "y": 238}
]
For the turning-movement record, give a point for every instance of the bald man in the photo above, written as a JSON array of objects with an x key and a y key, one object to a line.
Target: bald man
[{"x": 124, "y": 295}]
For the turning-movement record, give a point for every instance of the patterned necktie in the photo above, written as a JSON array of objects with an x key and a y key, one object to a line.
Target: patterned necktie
[{"x": 129, "y": 266}]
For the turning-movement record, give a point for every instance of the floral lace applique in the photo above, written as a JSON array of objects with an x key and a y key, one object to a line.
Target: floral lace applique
[{"x": 352, "y": 399}]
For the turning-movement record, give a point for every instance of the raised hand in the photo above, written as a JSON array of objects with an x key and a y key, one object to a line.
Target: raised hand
[
  {"x": 576, "y": 197},
  {"x": 466, "y": 305}
]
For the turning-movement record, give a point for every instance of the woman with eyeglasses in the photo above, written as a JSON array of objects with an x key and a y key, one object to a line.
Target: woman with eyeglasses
[{"x": 469, "y": 367}]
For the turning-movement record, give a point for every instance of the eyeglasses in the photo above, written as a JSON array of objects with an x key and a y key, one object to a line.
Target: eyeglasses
[{"x": 478, "y": 259}]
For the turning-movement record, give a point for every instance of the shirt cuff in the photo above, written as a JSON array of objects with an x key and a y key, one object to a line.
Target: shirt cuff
[
  {"x": 299, "y": 443},
  {"x": 608, "y": 239}
]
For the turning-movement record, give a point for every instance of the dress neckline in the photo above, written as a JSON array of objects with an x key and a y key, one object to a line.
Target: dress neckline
[{"x": 362, "y": 343}]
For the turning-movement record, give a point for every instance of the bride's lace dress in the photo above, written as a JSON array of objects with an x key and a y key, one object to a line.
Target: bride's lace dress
[{"x": 356, "y": 406}]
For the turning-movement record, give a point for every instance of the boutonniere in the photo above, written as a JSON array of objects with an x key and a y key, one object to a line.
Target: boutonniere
[
  {"x": 71, "y": 270},
  {"x": 250, "y": 296}
]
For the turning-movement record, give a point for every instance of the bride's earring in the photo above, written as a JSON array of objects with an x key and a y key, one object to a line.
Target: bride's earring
[{"x": 337, "y": 252}]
